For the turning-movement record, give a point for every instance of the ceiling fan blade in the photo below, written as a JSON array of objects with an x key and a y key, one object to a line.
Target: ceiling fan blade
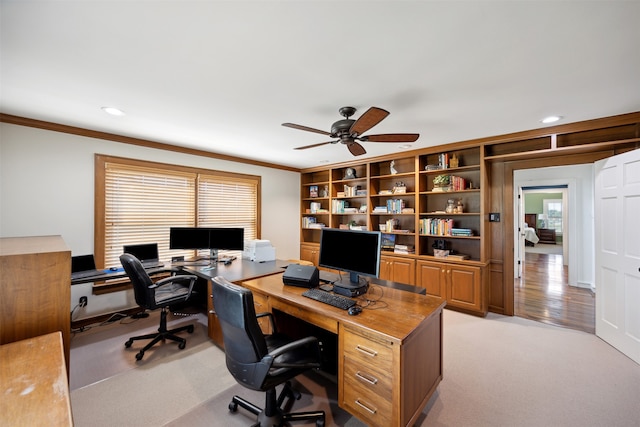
[
  {"x": 315, "y": 145},
  {"x": 356, "y": 149},
  {"x": 369, "y": 119},
  {"x": 308, "y": 129},
  {"x": 391, "y": 137}
]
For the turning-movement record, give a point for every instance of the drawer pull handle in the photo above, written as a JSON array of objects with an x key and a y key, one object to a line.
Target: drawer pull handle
[
  {"x": 364, "y": 377},
  {"x": 367, "y": 351},
  {"x": 362, "y": 405}
]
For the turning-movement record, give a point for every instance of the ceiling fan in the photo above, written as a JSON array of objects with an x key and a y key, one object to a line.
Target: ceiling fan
[{"x": 349, "y": 131}]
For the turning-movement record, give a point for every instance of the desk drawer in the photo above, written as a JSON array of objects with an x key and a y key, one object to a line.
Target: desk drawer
[
  {"x": 367, "y": 351},
  {"x": 367, "y": 393}
]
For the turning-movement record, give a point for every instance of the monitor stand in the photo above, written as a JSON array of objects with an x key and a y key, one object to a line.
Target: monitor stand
[
  {"x": 213, "y": 260},
  {"x": 351, "y": 287}
]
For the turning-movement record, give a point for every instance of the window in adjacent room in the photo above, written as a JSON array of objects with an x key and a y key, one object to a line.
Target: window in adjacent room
[
  {"x": 553, "y": 211},
  {"x": 138, "y": 201}
]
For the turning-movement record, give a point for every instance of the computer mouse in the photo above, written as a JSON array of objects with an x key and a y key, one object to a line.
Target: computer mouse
[
  {"x": 354, "y": 310},
  {"x": 114, "y": 269}
]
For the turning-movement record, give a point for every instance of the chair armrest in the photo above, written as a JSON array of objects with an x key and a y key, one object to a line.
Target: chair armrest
[
  {"x": 271, "y": 320},
  {"x": 180, "y": 278},
  {"x": 302, "y": 342},
  {"x": 187, "y": 279}
]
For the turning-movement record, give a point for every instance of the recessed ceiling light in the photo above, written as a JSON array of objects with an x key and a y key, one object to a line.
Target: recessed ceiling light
[
  {"x": 113, "y": 111},
  {"x": 550, "y": 119},
  {"x": 404, "y": 147}
]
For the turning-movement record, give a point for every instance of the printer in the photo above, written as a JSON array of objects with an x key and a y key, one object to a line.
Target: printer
[{"x": 258, "y": 251}]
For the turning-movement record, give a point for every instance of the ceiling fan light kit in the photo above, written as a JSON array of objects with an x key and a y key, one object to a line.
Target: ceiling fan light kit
[{"x": 349, "y": 131}]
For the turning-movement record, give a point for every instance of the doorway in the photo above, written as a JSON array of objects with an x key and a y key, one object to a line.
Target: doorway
[{"x": 547, "y": 287}]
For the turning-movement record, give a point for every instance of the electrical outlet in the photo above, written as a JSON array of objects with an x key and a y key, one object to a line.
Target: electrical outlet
[{"x": 83, "y": 302}]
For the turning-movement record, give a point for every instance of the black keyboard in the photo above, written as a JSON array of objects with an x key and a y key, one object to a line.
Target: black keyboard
[{"x": 327, "y": 298}]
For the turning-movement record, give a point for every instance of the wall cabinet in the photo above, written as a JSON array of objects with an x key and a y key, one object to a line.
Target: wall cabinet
[
  {"x": 310, "y": 253},
  {"x": 461, "y": 285},
  {"x": 398, "y": 269}
]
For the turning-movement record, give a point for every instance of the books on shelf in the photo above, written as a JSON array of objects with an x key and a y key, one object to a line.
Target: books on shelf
[
  {"x": 385, "y": 192},
  {"x": 380, "y": 209},
  {"x": 436, "y": 226},
  {"x": 338, "y": 206},
  {"x": 395, "y": 206},
  {"x": 351, "y": 190},
  {"x": 311, "y": 222},
  {"x": 461, "y": 232},
  {"x": 315, "y": 207},
  {"x": 404, "y": 249}
]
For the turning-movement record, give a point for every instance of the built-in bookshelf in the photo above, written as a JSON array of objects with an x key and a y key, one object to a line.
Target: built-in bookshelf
[{"x": 402, "y": 198}]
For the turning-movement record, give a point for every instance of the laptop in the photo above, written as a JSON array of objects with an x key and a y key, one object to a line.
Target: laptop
[
  {"x": 147, "y": 253},
  {"x": 84, "y": 266}
]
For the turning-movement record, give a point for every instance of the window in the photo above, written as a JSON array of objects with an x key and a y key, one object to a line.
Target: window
[
  {"x": 553, "y": 212},
  {"x": 138, "y": 201}
]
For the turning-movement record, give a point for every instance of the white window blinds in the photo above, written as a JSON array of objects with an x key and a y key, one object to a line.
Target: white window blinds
[{"x": 143, "y": 200}]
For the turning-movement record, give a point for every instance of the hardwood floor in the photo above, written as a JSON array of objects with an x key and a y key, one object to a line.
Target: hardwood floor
[{"x": 542, "y": 294}]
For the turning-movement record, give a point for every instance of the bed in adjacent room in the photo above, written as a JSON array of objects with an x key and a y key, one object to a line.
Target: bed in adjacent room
[{"x": 530, "y": 234}]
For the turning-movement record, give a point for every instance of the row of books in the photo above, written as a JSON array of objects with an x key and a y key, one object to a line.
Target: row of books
[
  {"x": 311, "y": 222},
  {"x": 461, "y": 232},
  {"x": 436, "y": 226},
  {"x": 351, "y": 191},
  {"x": 457, "y": 183}
]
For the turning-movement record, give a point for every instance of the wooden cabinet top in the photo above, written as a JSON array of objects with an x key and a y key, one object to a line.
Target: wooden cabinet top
[
  {"x": 34, "y": 383},
  {"x": 10, "y": 246}
]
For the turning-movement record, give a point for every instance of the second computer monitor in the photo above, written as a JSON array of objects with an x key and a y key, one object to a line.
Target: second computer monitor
[{"x": 212, "y": 238}]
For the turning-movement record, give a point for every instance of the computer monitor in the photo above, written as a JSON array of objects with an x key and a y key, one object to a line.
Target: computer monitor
[
  {"x": 212, "y": 238},
  {"x": 188, "y": 238},
  {"x": 353, "y": 251},
  {"x": 145, "y": 252},
  {"x": 81, "y": 263}
]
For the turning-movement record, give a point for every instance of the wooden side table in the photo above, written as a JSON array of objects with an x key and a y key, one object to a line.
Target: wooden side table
[{"x": 547, "y": 235}]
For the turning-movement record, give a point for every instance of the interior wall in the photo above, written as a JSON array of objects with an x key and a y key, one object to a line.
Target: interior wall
[{"x": 47, "y": 188}]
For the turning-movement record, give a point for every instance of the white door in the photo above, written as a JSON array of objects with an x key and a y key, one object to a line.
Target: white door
[
  {"x": 617, "y": 257},
  {"x": 521, "y": 254}
]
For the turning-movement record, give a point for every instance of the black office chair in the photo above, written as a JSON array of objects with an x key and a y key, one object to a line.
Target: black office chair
[
  {"x": 162, "y": 294},
  {"x": 262, "y": 362}
]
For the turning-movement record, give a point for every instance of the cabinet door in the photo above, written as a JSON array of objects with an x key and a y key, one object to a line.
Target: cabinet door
[
  {"x": 432, "y": 277},
  {"x": 309, "y": 253},
  {"x": 397, "y": 269},
  {"x": 464, "y": 287}
]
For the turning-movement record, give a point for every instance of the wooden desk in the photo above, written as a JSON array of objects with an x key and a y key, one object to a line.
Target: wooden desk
[
  {"x": 390, "y": 358},
  {"x": 34, "y": 383},
  {"x": 237, "y": 272}
]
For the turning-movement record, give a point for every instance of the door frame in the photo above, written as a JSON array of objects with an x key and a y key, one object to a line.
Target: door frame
[{"x": 507, "y": 196}]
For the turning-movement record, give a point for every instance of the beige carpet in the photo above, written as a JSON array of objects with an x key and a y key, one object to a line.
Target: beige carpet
[{"x": 498, "y": 371}]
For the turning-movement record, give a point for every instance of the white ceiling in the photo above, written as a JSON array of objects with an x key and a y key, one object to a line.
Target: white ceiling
[{"x": 223, "y": 76}]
